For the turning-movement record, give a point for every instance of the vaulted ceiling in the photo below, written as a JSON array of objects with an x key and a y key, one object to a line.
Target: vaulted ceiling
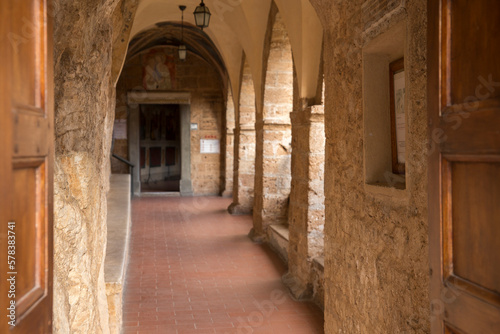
[
  {"x": 237, "y": 27},
  {"x": 169, "y": 33}
]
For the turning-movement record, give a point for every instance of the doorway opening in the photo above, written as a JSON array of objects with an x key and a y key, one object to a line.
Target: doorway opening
[{"x": 160, "y": 148}]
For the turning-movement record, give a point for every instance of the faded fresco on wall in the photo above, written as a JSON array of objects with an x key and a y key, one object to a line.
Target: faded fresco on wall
[{"x": 158, "y": 71}]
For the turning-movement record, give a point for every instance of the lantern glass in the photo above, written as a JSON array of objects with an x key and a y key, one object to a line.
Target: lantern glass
[
  {"x": 202, "y": 16},
  {"x": 182, "y": 52}
]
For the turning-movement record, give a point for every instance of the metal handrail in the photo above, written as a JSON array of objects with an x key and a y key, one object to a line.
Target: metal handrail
[
  {"x": 125, "y": 161},
  {"x": 131, "y": 165}
]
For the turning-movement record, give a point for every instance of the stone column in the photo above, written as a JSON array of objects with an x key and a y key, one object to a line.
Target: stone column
[
  {"x": 307, "y": 209},
  {"x": 244, "y": 148},
  {"x": 228, "y": 153},
  {"x": 273, "y": 157},
  {"x": 229, "y": 165},
  {"x": 244, "y": 171},
  {"x": 272, "y": 174}
]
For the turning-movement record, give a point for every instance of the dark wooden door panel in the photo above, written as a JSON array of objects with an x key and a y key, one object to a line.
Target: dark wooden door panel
[
  {"x": 460, "y": 133},
  {"x": 475, "y": 237},
  {"x": 464, "y": 165},
  {"x": 28, "y": 45},
  {"x": 477, "y": 23},
  {"x": 28, "y": 207}
]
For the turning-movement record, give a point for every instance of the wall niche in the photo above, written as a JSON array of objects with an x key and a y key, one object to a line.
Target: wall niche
[{"x": 384, "y": 110}]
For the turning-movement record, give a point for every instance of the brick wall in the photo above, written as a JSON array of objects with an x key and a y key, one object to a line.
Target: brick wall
[{"x": 207, "y": 106}]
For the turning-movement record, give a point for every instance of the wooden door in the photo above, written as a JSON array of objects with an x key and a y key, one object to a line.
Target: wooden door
[
  {"x": 26, "y": 155},
  {"x": 464, "y": 165}
]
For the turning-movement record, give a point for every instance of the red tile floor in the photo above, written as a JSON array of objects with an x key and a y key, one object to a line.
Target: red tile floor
[{"x": 193, "y": 269}]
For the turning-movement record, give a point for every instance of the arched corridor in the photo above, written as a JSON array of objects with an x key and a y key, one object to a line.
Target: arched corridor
[{"x": 161, "y": 174}]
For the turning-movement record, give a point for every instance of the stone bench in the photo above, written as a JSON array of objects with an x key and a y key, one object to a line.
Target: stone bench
[
  {"x": 278, "y": 237},
  {"x": 115, "y": 263}
]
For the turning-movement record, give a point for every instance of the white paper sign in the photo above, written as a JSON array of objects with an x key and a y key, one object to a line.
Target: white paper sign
[
  {"x": 210, "y": 146},
  {"x": 120, "y": 129}
]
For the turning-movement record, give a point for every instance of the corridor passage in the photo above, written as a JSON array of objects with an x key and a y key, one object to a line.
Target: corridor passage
[{"x": 193, "y": 269}]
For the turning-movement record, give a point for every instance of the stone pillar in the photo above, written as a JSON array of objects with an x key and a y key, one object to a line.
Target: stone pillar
[
  {"x": 229, "y": 165},
  {"x": 307, "y": 197},
  {"x": 272, "y": 174},
  {"x": 228, "y": 148},
  {"x": 244, "y": 171},
  {"x": 273, "y": 152},
  {"x": 244, "y": 148}
]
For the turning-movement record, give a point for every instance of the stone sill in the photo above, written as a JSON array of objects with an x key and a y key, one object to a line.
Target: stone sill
[
  {"x": 281, "y": 230},
  {"x": 118, "y": 235},
  {"x": 399, "y": 194}
]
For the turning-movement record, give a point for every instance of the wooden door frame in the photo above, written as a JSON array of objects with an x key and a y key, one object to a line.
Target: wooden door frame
[{"x": 28, "y": 142}]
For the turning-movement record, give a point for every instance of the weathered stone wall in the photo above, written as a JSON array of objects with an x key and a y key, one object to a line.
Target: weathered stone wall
[
  {"x": 244, "y": 147},
  {"x": 376, "y": 249},
  {"x": 84, "y": 112},
  {"x": 274, "y": 135},
  {"x": 207, "y": 106}
]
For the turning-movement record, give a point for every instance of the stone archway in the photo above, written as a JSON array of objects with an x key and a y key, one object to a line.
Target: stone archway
[{"x": 134, "y": 100}]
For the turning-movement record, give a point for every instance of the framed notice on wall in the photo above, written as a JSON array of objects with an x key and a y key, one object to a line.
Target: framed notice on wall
[
  {"x": 120, "y": 129},
  {"x": 398, "y": 115},
  {"x": 210, "y": 146}
]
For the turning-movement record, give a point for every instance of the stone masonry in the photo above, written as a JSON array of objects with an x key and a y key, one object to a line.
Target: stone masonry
[
  {"x": 84, "y": 104},
  {"x": 273, "y": 152},
  {"x": 376, "y": 243},
  {"x": 228, "y": 152},
  {"x": 244, "y": 147},
  {"x": 307, "y": 208},
  {"x": 207, "y": 107}
]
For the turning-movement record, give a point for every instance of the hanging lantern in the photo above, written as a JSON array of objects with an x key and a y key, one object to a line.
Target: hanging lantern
[
  {"x": 182, "y": 47},
  {"x": 182, "y": 52},
  {"x": 202, "y": 16}
]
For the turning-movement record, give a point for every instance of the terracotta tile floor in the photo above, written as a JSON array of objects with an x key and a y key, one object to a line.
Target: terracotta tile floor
[{"x": 193, "y": 269}]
